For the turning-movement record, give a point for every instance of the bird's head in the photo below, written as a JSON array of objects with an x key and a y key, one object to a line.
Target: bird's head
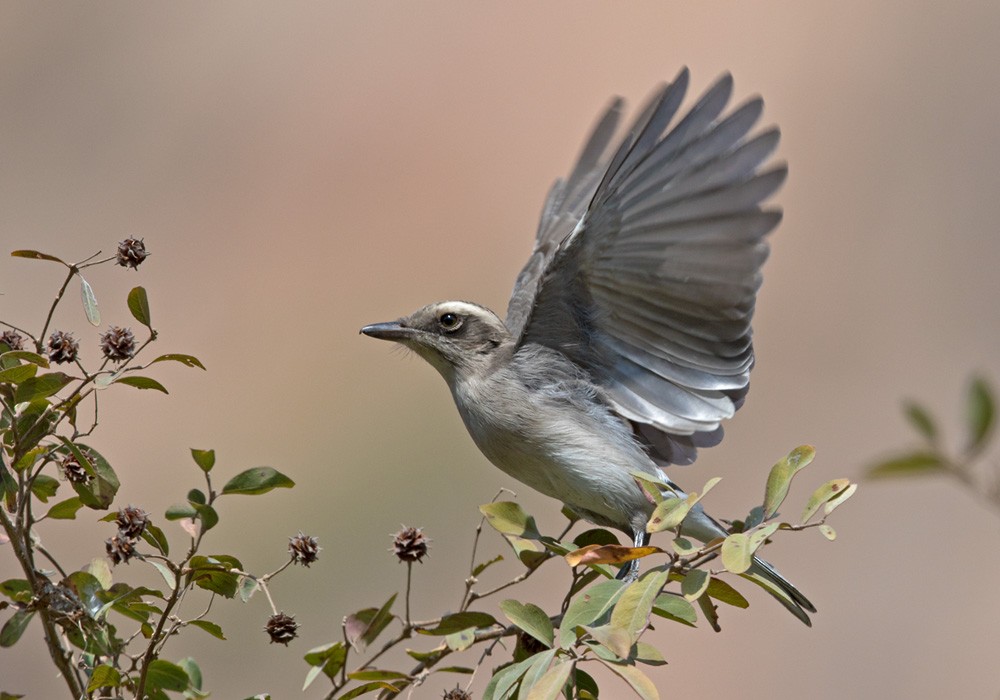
[{"x": 456, "y": 337}]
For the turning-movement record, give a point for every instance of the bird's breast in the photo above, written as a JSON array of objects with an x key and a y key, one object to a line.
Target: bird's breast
[{"x": 556, "y": 442}]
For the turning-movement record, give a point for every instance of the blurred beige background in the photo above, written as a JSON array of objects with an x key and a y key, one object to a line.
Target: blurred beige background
[{"x": 301, "y": 169}]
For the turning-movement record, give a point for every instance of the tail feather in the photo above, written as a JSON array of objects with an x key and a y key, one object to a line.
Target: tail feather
[
  {"x": 768, "y": 578},
  {"x": 704, "y": 528}
]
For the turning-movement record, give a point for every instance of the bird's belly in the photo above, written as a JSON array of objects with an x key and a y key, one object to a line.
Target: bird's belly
[{"x": 586, "y": 469}]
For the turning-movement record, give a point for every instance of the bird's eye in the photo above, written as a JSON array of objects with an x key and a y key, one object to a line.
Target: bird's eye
[{"x": 449, "y": 321}]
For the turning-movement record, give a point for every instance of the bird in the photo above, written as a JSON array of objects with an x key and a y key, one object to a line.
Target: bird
[{"x": 627, "y": 339}]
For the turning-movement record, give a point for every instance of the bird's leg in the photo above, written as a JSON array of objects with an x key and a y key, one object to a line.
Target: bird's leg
[{"x": 630, "y": 571}]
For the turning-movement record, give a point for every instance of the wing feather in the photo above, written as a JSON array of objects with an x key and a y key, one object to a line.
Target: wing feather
[{"x": 647, "y": 265}]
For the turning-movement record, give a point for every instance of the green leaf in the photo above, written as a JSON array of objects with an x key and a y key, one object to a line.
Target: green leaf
[
  {"x": 695, "y": 583},
  {"x": 639, "y": 681},
  {"x": 550, "y": 685},
  {"x": 89, "y": 302},
  {"x": 456, "y": 622},
  {"x": 25, "y": 355},
  {"x": 256, "y": 481},
  {"x": 669, "y": 513},
  {"x": 920, "y": 419},
  {"x": 616, "y": 639},
  {"x": 204, "y": 459},
  {"x": 154, "y": 536},
  {"x": 40, "y": 387},
  {"x": 781, "y": 475},
  {"x": 65, "y": 510},
  {"x": 167, "y": 676},
  {"x": 674, "y": 607},
  {"x": 28, "y": 459},
  {"x": 758, "y": 537},
  {"x": 191, "y": 668},
  {"x": 208, "y": 516},
  {"x": 838, "y": 500},
  {"x": 648, "y": 654},
  {"x": 480, "y": 568},
  {"x": 509, "y": 518},
  {"x": 587, "y": 607},
  {"x": 104, "y": 676},
  {"x": 141, "y": 383},
  {"x": 328, "y": 658},
  {"x": 462, "y": 640},
  {"x": 504, "y": 680},
  {"x": 736, "y": 553},
  {"x": 364, "y": 626},
  {"x": 374, "y": 674},
  {"x": 828, "y": 532},
  {"x": 369, "y": 688},
  {"x": 101, "y": 570},
  {"x": 35, "y": 255},
  {"x": 210, "y": 627},
  {"x": 138, "y": 304},
  {"x": 14, "y": 627},
  {"x": 88, "y": 589},
  {"x": 684, "y": 547},
  {"x": 187, "y": 360},
  {"x": 586, "y": 686},
  {"x": 214, "y": 573},
  {"x": 535, "y": 671},
  {"x": 723, "y": 592},
  {"x": 44, "y": 487},
  {"x": 981, "y": 414},
  {"x": 823, "y": 494},
  {"x": 597, "y": 535},
  {"x": 18, "y": 373},
  {"x": 17, "y": 589},
  {"x": 179, "y": 511},
  {"x": 165, "y": 572},
  {"x": 631, "y": 612},
  {"x": 530, "y": 618},
  {"x": 907, "y": 465}
]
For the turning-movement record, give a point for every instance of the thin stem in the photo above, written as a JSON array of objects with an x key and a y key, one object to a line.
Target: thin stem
[
  {"x": 52, "y": 309},
  {"x": 61, "y": 656},
  {"x": 409, "y": 575},
  {"x": 150, "y": 652},
  {"x": 83, "y": 265},
  {"x": 45, "y": 553}
]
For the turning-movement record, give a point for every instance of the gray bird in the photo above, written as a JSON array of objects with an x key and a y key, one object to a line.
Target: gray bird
[{"x": 627, "y": 339}]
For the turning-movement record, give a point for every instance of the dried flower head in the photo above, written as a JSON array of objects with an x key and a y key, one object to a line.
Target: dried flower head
[
  {"x": 304, "y": 549},
  {"x": 13, "y": 339},
  {"x": 120, "y": 549},
  {"x": 281, "y": 628},
  {"x": 131, "y": 521},
  {"x": 456, "y": 693},
  {"x": 63, "y": 347},
  {"x": 131, "y": 253},
  {"x": 410, "y": 544},
  {"x": 73, "y": 470},
  {"x": 118, "y": 344}
]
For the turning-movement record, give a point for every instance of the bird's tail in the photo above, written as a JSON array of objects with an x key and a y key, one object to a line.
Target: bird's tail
[
  {"x": 705, "y": 528},
  {"x": 768, "y": 578}
]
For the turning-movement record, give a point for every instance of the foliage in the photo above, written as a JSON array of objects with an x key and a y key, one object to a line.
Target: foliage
[
  {"x": 108, "y": 638},
  {"x": 600, "y": 621},
  {"x": 105, "y": 636},
  {"x": 933, "y": 457}
]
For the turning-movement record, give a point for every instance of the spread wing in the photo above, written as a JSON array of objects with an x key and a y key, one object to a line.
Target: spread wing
[{"x": 646, "y": 266}]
